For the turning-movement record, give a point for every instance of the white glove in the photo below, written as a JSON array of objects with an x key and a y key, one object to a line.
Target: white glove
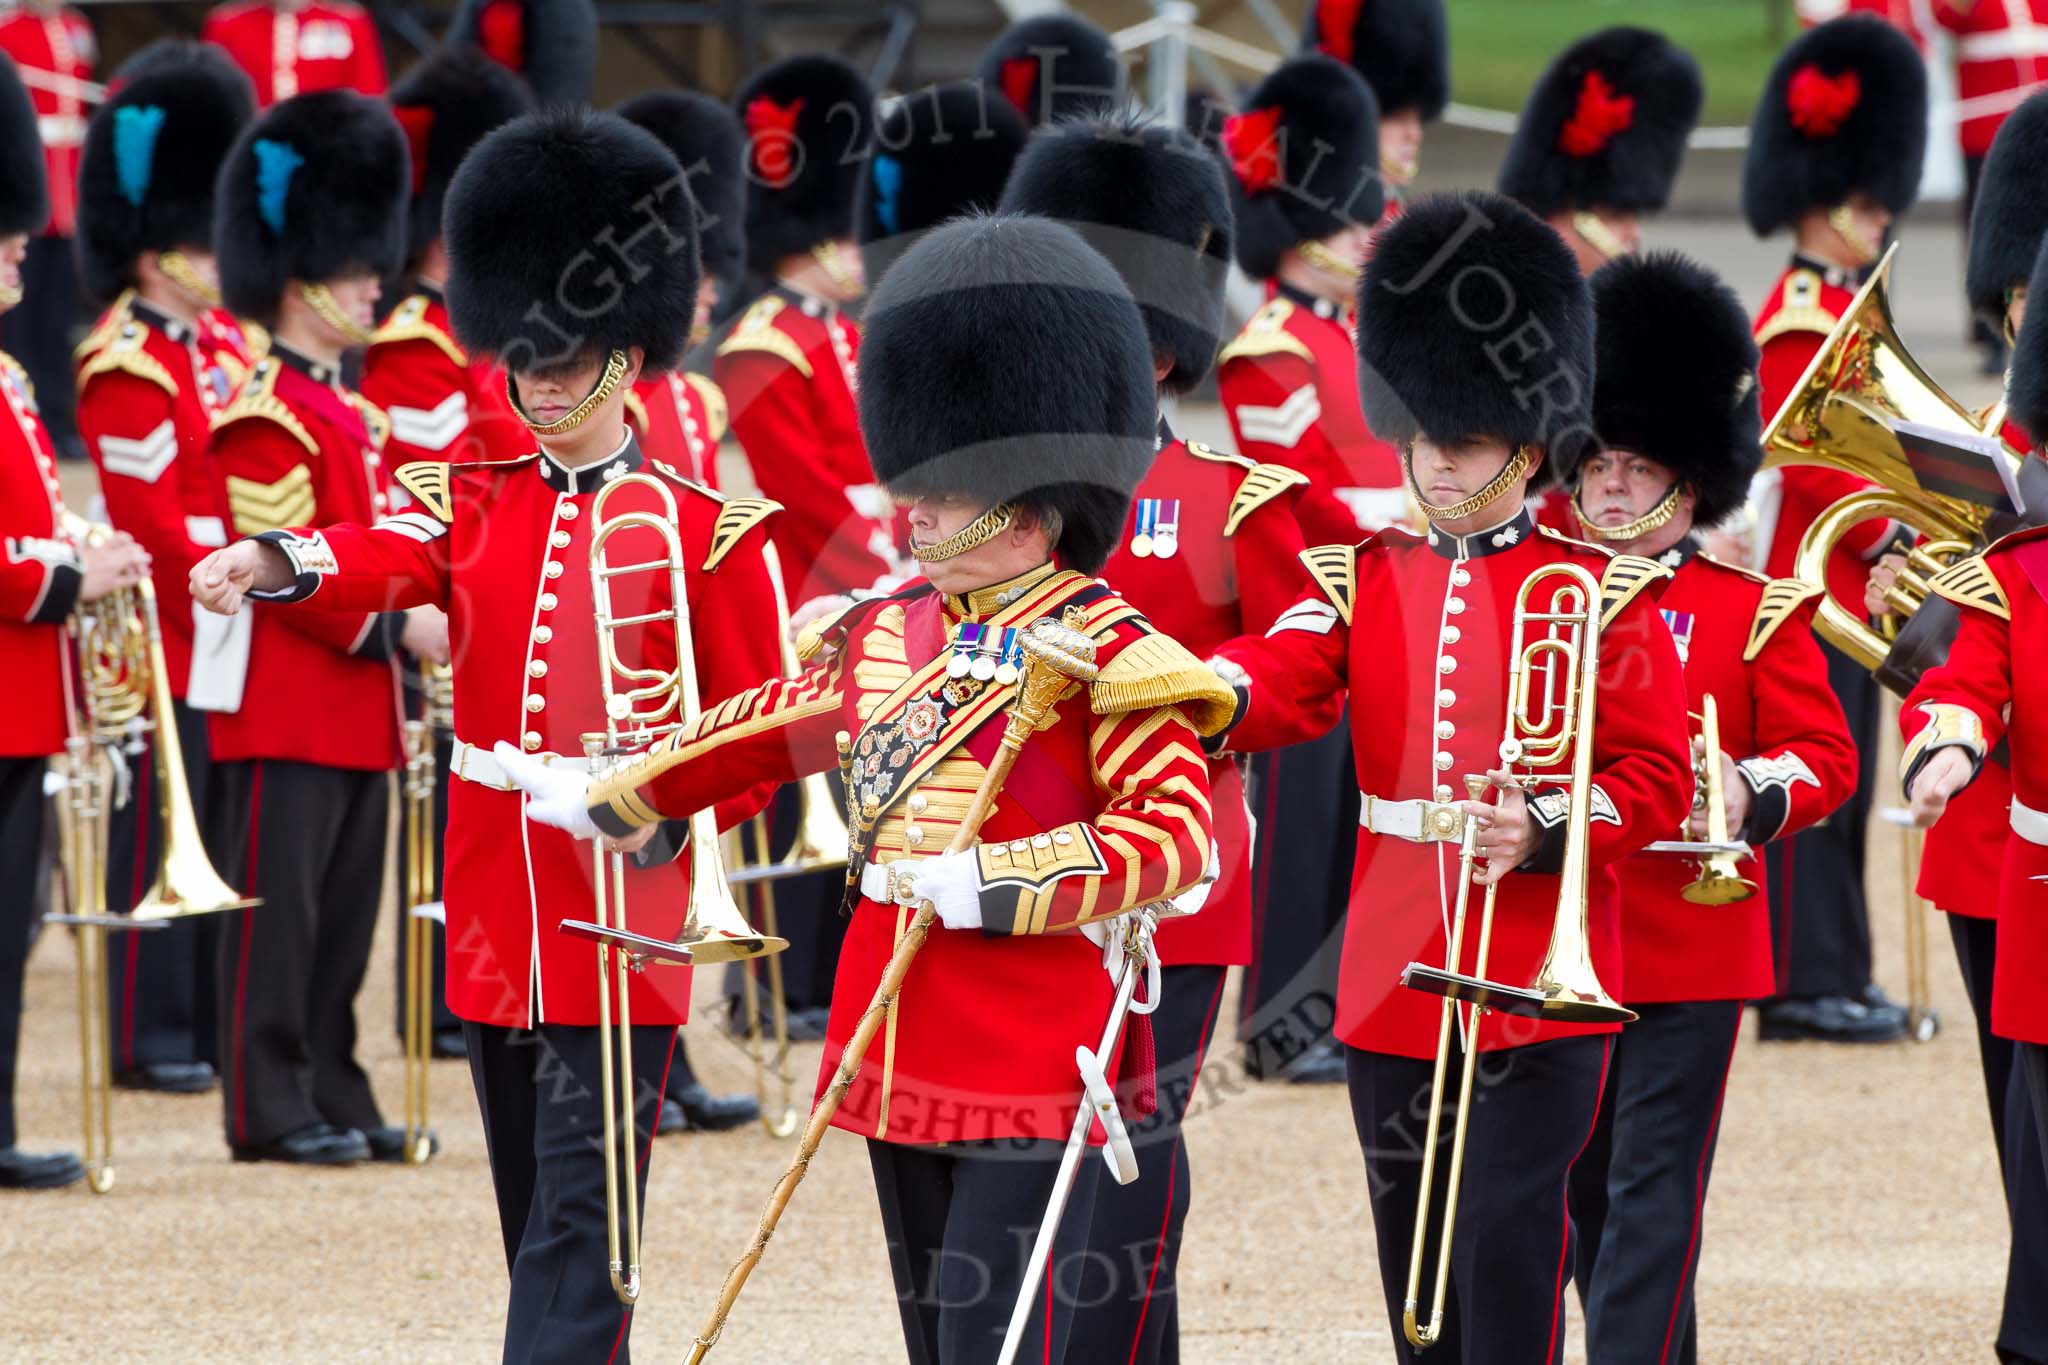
[
  {"x": 951, "y": 882},
  {"x": 554, "y": 796}
]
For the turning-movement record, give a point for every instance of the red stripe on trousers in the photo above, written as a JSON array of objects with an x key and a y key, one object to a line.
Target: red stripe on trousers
[
  {"x": 242, "y": 963},
  {"x": 646, "y": 1152},
  {"x": 1564, "y": 1241},
  {"x": 1699, "y": 1195}
]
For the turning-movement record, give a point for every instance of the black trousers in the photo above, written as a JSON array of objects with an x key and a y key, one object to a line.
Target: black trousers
[
  {"x": 960, "y": 1220},
  {"x": 310, "y": 841},
  {"x": 2023, "y": 1324},
  {"x": 38, "y": 332},
  {"x": 540, "y": 1094},
  {"x": 161, "y": 987},
  {"x": 2032, "y": 1059},
  {"x": 22, "y": 817},
  {"x": 441, "y": 1017},
  {"x": 1639, "y": 1192},
  {"x": 1822, "y": 930},
  {"x": 1129, "y": 1308},
  {"x": 1305, "y": 800},
  {"x": 1533, "y": 1111}
]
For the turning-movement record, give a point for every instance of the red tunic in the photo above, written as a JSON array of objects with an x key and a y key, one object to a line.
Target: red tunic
[
  {"x": 1798, "y": 313},
  {"x": 1235, "y": 568},
  {"x": 442, "y": 404},
  {"x": 55, "y": 53},
  {"x": 1107, "y": 809},
  {"x": 147, "y": 399},
  {"x": 39, "y": 578},
  {"x": 788, "y": 370},
  {"x": 1973, "y": 697},
  {"x": 1418, "y": 629},
  {"x": 2001, "y": 53},
  {"x": 505, "y": 549},
  {"x": 680, "y": 418},
  {"x": 325, "y": 45},
  {"x": 1748, "y": 642},
  {"x": 297, "y": 449},
  {"x": 1289, "y": 383}
]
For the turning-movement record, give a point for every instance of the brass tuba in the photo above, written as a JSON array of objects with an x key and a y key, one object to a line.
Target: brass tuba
[
  {"x": 1840, "y": 416},
  {"x": 1552, "y": 690}
]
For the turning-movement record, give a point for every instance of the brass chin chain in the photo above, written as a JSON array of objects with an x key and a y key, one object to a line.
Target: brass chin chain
[
  {"x": 1843, "y": 220},
  {"x": 1328, "y": 261},
  {"x": 826, "y": 254},
  {"x": 607, "y": 384},
  {"x": 1399, "y": 169},
  {"x": 978, "y": 532},
  {"x": 1649, "y": 521},
  {"x": 328, "y": 311},
  {"x": 1515, "y": 468},
  {"x": 10, "y": 295},
  {"x": 181, "y": 272},
  {"x": 1598, "y": 235}
]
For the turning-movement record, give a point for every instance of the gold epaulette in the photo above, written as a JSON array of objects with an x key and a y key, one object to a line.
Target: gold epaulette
[
  {"x": 1262, "y": 483},
  {"x": 429, "y": 483},
  {"x": 1266, "y": 334},
  {"x": 1751, "y": 574},
  {"x": 717, "y": 417},
  {"x": 735, "y": 519},
  {"x": 105, "y": 329},
  {"x": 1970, "y": 583},
  {"x": 255, "y": 336},
  {"x": 811, "y": 640},
  {"x": 376, "y": 421},
  {"x": 257, "y": 401},
  {"x": 123, "y": 352},
  {"x": 1782, "y": 597},
  {"x": 1156, "y": 670},
  {"x": 1215, "y": 456},
  {"x": 756, "y": 331},
  {"x": 257, "y": 506},
  {"x": 408, "y": 322},
  {"x": 1335, "y": 570},
  {"x": 1623, "y": 581},
  {"x": 1800, "y": 311},
  {"x": 636, "y": 411},
  {"x": 1561, "y": 538}
]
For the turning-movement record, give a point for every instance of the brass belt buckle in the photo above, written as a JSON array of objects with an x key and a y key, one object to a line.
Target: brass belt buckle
[
  {"x": 902, "y": 887},
  {"x": 1442, "y": 822}
]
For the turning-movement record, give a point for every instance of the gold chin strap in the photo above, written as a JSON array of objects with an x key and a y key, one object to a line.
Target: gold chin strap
[
  {"x": 1598, "y": 235},
  {"x": 1515, "y": 468},
  {"x": 826, "y": 254},
  {"x": 10, "y": 295},
  {"x": 1399, "y": 169},
  {"x": 1843, "y": 220},
  {"x": 615, "y": 363},
  {"x": 181, "y": 272},
  {"x": 1327, "y": 261},
  {"x": 978, "y": 532},
  {"x": 1649, "y": 521},
  {"x": 328, "y": 311}
]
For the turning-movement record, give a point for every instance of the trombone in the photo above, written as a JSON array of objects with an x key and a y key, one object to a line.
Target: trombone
[
  {"x": 422, "y": 900},
  {"x": 1719, "y": 882},
  {"x": 1547, "y": 725},
  {"x": 643, "y": 704}
]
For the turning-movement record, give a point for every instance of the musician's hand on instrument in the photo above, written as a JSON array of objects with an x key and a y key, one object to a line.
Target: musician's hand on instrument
[
  {"x": 1735, "y": 797},
  {"x": 1883, "y": 575},
  {"x": 950, "y": 881},
  {"x": 1942, "y": 776},
  {"x": 555, "y": 796},
  {"x": 634, "y": 842},
  {"x": 425, "y": 635},
  {"x": 115, "y": 563},
  {"x": 223, "y": 578},
  {"x": 1508, "y": 836}
]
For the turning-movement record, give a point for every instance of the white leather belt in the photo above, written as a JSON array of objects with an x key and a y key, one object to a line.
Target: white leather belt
[
  {"x": 2029, "y": 824},
  {"x": 474, "y": 764},
  {"x": 1420, "y": 822},
  {"x": 878, "y": 883}
]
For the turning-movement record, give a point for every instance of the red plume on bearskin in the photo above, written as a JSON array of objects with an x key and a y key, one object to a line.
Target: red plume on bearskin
[
  {"x": 809, "y": 123},
  {"x": 1305, "y": 160},
  {"x": 1400, "y": 48},
  {"x": 1250, "y": 140},
  {"x": 1599, "y": 115},
  {"x": 1020, "y": 82},
  {"x": 1052, "y": 67},
  {"x": 418, "y": 122},
  {"x": 771, "y": 133},
  {"x": 1605, "y": 126},
  {"x": 1819, "y": 103},
  {"x": 1336, "y": 22},
  {"x": 501, "y": 33}
]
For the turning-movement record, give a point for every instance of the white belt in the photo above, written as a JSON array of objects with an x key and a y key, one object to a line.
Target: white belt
[
  {"x": 2029, "y": 824},
  {"x": 877, "y": 884},
  {"x": 1420, "y": 822},
  {"x": 474, "y": 764},
  {"x": 60, "y": 130}
]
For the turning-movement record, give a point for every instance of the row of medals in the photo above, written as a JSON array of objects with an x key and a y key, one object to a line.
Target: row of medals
[
  {"x": 981, "y": 655},
  {"x": 1157, "y": 532}
]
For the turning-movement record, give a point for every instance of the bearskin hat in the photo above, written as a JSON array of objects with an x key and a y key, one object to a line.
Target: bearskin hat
[
  {"x": 24, "y": 198},
  {"x": 808, "y": 122},
  {"x": 2011, "y": 211},
  {"x": 151, "y": 155},
  {"x": 1052, "y": 67},
  {"x": 611, "y": 265},
  {"x": 552, "y": 44},
  {"x": 314, "y": 188},
  {"x": 1304, "y": 158},
  {"x": 1843, "y": 111},
  {"x": 1005, "y": 359},
  {"x": 707, "y": 143},
  {"x": 1606, "y": 126},
  {"x": 2026, "y": 389},
  {"x": 1153, "y": 202},
  {"x": 1474, "y": 321},
  {"x": 939, "y": 152},
  {"x": 1675, "y": 376},
  {"x": 445, "y": 105},
  {"x": 1401, "y": 47}
]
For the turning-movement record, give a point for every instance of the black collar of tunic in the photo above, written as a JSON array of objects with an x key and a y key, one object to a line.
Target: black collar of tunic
[
  {"x": 318, "y": 371},
  {"x": 1851, "y": 280},
  {"x": 1496, "y": 539},
  {"x": 177, "y": 329},
  {"x": 591, "y": 477}
]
